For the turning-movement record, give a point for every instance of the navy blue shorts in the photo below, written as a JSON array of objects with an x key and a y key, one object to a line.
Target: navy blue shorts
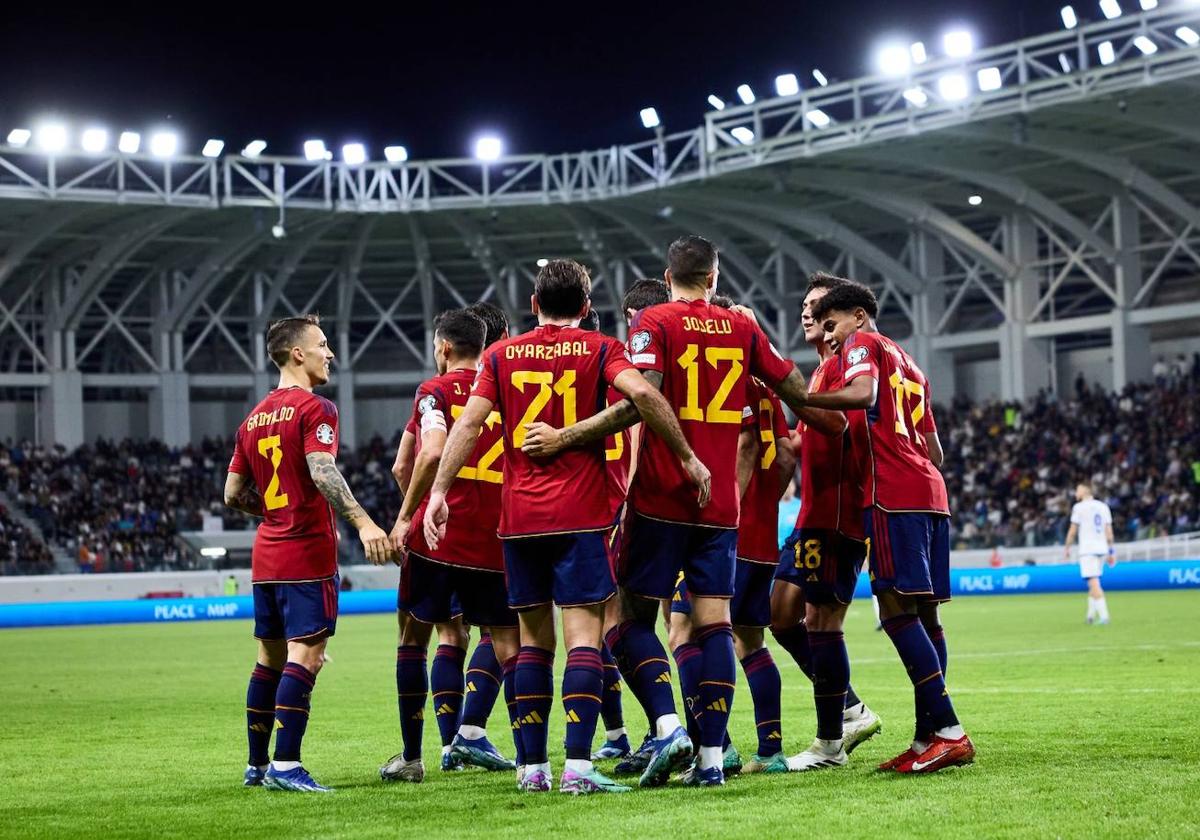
[
  {"x": 751, "y": 604},
  {"x": 294, "y": 611},
  {"x": 571, "y": 570},
  {"x": 822, "y": 562},
  {"x": 909, "y": 553},
  {"x": 434, "y": 593},
  {"x": 681, "y": 602},
  {"x": 657, "y": 551}
]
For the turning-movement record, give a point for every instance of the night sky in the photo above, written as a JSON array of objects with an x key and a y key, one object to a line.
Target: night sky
[{"x": 432, "y": 75}]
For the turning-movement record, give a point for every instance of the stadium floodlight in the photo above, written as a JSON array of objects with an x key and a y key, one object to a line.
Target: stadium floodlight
[
  {"x": 1111, "y": 9},
  {"x": 254, "y": 148},
  {"x": 787, "y": 84},
  {"x": 51, "y": 137},
  {"x": 19, "y": 137},
  {"x": 354, "y": 153},
  {"x": 989, "y": 78},
  {"x": 820, "y": 77},
  {"x": 649, "y": 118},
  {"x": 1145, "y": 45},
  {"x": 818, "y": 118},
  {"x": 543, "y": 262},
  {"x": 94, "y": 140},
  {"x": 1183, "y": 33},
  {"x": 958, "y": 43},
  {"x": 1149, "y": 5},
  {"x": 1069, "y": 18},
  {"x": 975, "y": 200},
  {"x": 716, "y": 102},
  {"x": 488, "y": 148},
  {"x": 917, "y": 96},
  {"x": 213, "y": 551},
  {"x": 745, "y": 94},
  {"x": 315, "y": 150},
  {"x": 953, "y": 87},
  {"x": 164, "y": 143},
  {"x": 1105, "y": 50},
  {"x": 893, "y": 60},
  {"x": 395, "y": 154},
  {"x": 917, "y": 51},
  {"x": 129, "y": 142},
  {"x": 213, "y": 148},
  {"x": 1064, "y": 62},
  {"x": 743, "y": 135}
]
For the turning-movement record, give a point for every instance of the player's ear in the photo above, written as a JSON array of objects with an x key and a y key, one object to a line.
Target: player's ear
[
  {"x": 667, "y": 278},
  {"x": 533, "y": 304}
]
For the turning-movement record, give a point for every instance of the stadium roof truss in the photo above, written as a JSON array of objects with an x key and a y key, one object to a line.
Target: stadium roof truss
[{"x": 128, "y": 271}]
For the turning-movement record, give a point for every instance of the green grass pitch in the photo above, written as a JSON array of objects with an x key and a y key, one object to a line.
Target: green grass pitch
[{"x": 138, "y": 731}]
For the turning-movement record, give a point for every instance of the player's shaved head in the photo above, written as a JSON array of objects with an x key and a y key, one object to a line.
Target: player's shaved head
[
  {"x": 463, "y": 329},
  {"x": 645, "y": 293},
  {"x": 846, "y": 297},
  {"x": 691, "y": 259},
  {"x": 287, "y": 333},
  {"x": 562, "y": 288},
  {"x": 493, "y": 318}
]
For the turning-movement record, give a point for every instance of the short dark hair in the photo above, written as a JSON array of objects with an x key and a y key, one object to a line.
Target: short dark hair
[
  {"x": 562, "y": 288},
  {"x": 846, "y": 297},
  {"x": 463, "y": 329},
  {"x": 691, "y": 259},
  {"x": 824, "y": 280},
  {"x": 285, "y": 333},
  {"x": 591, "y": 321},
  {"x": 493, "y": 318},
  {"x": 644, "y": 293},
  {"x": 723, "y": 301}
]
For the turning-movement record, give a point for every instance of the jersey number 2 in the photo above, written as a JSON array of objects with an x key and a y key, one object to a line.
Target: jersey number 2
[
  {"x": 547, "y": 386},
  {"x": 714, "y": 412},
  {"x": 904, "y": 389},
  {"x": 270, "y": 449}
]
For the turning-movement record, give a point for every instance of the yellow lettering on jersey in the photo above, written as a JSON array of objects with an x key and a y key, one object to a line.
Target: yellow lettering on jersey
[
  {"x": 709, "y": 326},
  {"x": 267, "y": 418},
  {"x": 547, "y": 352}
]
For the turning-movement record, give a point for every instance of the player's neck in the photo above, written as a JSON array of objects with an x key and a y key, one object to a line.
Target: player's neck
[
  {"x": 688, "y": 294},
  {"x": 294, "y": 379},
  {"x": 547, "y": 321},
  {"x": 462, "y": 364},
  {"x": 823, "y": 351}
]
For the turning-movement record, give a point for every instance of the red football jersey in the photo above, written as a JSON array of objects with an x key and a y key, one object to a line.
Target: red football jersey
[
  {"x": 297, "y": 539},
  {"x": 617, "y": 452},
  {"x": 758, "y": 533},
  {"x": 474, "y": 497},
  {"x": 831, "y": 493},
  {"x": 558, "y": 375},
  {"x": 706, "y": 356},
  {"x": 887, "y": 439}
]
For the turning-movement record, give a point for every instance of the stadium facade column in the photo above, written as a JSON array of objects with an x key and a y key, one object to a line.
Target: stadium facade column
[
  {"x": 1025, "y": 362},
  {"x": 60, "y": 405},
  {"x": 170, "y": 409},
  {"x": 928, "y": 308},
  {"x": 260, "y": 380},
  {"x": 347, "y": 427},
  {"x": 1130, "y": 342}
]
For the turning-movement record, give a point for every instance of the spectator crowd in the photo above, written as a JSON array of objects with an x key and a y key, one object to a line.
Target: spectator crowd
[{"x": 1010, "y": 470}]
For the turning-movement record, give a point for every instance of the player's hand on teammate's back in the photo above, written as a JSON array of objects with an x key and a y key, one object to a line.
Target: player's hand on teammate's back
[
  {"x": 699, "y": 475},
  {"x": 541, "y": 440},
  {"x": 375, "y": 544},
  {"x": 437, "y": 512}
]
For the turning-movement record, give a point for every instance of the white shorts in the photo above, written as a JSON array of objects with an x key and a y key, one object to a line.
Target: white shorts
[{"x": 1091, "y": 565}]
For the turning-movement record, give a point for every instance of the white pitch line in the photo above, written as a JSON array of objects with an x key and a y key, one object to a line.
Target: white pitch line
[{"x": 1023, "y": 654}]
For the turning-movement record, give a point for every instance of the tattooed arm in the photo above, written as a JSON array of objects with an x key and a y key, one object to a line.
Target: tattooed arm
[
  {"x": 241, "y": 494},
  {"x": 333, "y": 487}
]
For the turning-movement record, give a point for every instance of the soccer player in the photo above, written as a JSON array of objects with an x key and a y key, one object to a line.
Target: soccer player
[
  {"x": 283, "y": 471},
  {"x": 701, "y": 356},
  {"x": 555, "y": 511},
  {"x": 820, "y": 562},
  {"x": 906, "y": 511},
  {"x": 1091, "y": 521},
  {"x": 465, "y": 573}
]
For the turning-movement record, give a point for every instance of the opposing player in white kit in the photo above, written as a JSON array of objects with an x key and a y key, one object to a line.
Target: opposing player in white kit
[{"x": 1091, "y": 521}]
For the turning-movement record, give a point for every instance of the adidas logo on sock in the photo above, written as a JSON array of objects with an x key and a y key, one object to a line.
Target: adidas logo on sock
[
  {"x": 446, "y": 709},
  {"x": 775, "y": 736},
  {"x": 532, "y": 717},
  {"x": 260, "y": 727},
  {"x": 420, "y": 715},
  {"x": 665, "y": 676},
  {"x": 718, "y": 705},
  {"x": 470, "y": 687},
  {"x": 516, "y": 724},
  {"x": 572, "y": 717}
]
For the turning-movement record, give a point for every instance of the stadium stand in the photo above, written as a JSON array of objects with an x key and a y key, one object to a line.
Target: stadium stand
[{"x": 1010, "y": 467}]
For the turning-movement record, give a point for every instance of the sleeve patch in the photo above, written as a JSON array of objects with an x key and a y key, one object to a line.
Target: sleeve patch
[
  {"x": 433, "y": 420},
  {"x": 639, "y": 341},
  {"x": 324, "y": 434},
  {"x": 856, "y": 370},
  {"x": 426, "y": 404},
  {"x": 644, "y": 358},
  {"x": 856, "y": 355}
]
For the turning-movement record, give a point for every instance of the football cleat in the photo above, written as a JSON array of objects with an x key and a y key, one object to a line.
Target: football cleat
[
  {"x": 710, "y": 777},
  {"x": 766, "y": 764},
  {"x": 941, "y": 753},
  {"x": 594, "y": 782},
  {"x": 669, "y": 754},
  {"x": 296, "y": 779},
  {"x": 254, "y": 775},
  {"x": 452, "y": 763},
  {"x": 479, "y": 752},
  {"x": 819, "y": 756},
  {"x": 858, "y": 725},
  {"x": 636, "y": 762},
  {"x": 613, "y": 749},
  {"x": 904, "y": 760},
  {"x": 535, "y": 780},
  {"x": 399, "y": 770}
]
